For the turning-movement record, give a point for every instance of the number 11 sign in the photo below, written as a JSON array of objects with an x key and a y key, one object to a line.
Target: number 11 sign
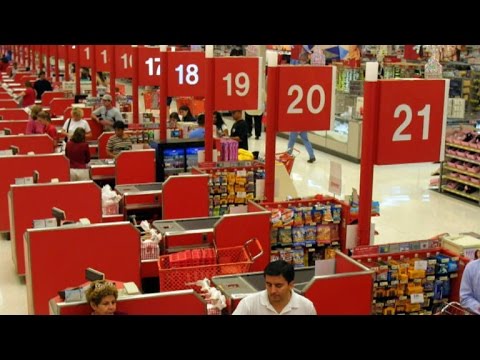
[{"x": 411, "y": 121}]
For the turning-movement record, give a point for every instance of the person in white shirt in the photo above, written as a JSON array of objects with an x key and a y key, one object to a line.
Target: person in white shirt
[
  {"x": 75, "y": 122},
  {"x": 278, "y": 298}
]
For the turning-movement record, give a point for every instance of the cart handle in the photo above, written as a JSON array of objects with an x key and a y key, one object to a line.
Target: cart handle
[{"x": 259, "y": 248}]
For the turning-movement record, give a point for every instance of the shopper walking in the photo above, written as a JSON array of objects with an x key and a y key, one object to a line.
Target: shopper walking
[
  {"x": 278, "y": 298},
  {"x": 308, "y": 145}
]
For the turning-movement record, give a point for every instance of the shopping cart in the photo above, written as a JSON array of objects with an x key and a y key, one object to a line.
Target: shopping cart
[
  {"x": 287, "y": 159},
  {"x": 232, "y": 260},
  {"x": 454, "y": 308}
]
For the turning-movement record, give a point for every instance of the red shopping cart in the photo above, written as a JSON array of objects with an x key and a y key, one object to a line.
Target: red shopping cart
[
  {"x": 232, "y": 260},
  {"x": 287, "y": 159}
]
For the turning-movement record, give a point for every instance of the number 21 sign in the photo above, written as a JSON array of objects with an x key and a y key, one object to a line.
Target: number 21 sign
[{"x": 411, "y": 121}]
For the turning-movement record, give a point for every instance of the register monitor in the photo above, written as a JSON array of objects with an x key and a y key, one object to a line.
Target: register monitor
[{"x": 58, "y": 214}]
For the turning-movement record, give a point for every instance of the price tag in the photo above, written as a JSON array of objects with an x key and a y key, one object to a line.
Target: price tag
[
  {"x": 238, "y": 83},
  {"x": 412, "y": 121},
  {"x": 186, "y": 73},
  {"x": 306, "y": 98},
  {"x": 416, "y": 298},
  {"x": 421, "y": 265}
]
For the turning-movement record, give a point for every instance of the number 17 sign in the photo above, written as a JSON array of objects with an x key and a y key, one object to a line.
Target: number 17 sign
[{"x": 411, "y": 121}]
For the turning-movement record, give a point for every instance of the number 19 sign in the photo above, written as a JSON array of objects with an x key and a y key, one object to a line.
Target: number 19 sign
[
  {"x": 306, "y": 98},
  {"x": 411, "y": 121},
  {"x": 237, "y": 83}
]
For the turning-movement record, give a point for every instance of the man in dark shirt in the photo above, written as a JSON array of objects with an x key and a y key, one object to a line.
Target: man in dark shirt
[
  {"x": 41, "y": 85},
  {"x": 239, "y": 130}
]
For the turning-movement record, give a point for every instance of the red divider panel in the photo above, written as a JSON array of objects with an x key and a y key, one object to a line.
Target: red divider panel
[
  {"x": 184, "y": 302},
  {"x": 102, "y": 144},
  {"x": 57, "y": 257},
  {"x": 16, "y": 126},
  {"x": 13, "y": 114},
  {"x": 78, "y": 200},
  {"x": 48, "y": 96},
  {"x": 235, "y": 229},
  {"x": 185, "y": 196},
  {"x": 39, "y": 144},
  {"x": 8, "y": 104},
  {"x": 5, "y": 96},
  {"x": 20, "y": 74},
  {"x": 48, "y": 165},
  {"x": 345, "y": 295},
  {"x": 58, "y": 106},
  {"x": 135, "y": 167}
]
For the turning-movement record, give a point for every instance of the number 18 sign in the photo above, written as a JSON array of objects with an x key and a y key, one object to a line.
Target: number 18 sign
[{"x": 412, "y": 120}]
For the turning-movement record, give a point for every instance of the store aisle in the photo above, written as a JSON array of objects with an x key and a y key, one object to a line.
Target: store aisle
[{"x": 409, "y": 210}]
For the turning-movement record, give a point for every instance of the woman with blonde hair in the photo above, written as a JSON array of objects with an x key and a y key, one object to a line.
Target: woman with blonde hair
[{"x": 74, "y": 123}]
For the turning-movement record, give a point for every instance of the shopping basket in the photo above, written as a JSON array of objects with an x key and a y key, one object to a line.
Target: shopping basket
[
  {"x": 454, "y": 308},
  {"x": 287, "y": 159},
  {"x": 232, "y": 260}
]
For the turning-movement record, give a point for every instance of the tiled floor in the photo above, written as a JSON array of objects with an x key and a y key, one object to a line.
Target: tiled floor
[{"x": 409, "y": 210}]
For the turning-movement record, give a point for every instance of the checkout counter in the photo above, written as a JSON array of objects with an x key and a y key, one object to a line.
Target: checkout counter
[
  {"x": 348, "y": 291},
  {"x": 184, "y": 234},
  {"x": 102, "y": 170},
  {"x": 142, "y": 200}
]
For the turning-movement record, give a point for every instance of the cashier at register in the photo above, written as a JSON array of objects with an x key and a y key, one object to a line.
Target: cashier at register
[
  {"x": 279, "y": 297},
  {"x": 118, "y": 142}
]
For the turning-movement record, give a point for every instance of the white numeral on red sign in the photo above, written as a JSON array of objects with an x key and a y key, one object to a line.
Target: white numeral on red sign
[
  {"x": 292, "y": 109},
  {"x": 191, "y": 77},
  {"x": 150, "y": 63},
  {"x": 87, "y": 52},
  {"x": 242, "y": 86},
  {"x": 126, "y": 58},
  {"x": 425, "y": 112},
  {"x": 104, "y": 54}
]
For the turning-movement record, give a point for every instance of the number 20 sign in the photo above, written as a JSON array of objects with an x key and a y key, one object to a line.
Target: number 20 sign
[
  {"x": 411, "y": 122},
  {"x": 306, "y": 98}
]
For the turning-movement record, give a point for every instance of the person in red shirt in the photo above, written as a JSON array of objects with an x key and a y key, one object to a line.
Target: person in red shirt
[
  {"x": 28, "y": 96},
  {"x": 50, "y": 129},
  {"x": 78, "y": 153}
]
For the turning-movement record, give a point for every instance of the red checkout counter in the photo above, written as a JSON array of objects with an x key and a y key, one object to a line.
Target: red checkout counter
[{"x": 348, "y": 291}]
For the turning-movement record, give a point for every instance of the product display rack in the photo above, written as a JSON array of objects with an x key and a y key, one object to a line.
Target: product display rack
[
  {"x": 231, "y": 183},
  {"x": 411, "y": 278},
  {"x": 460, "y": 173}
]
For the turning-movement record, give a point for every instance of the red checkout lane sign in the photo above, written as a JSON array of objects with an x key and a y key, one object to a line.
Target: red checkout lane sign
[
  {"x": 306, "y": 100},
  {"x": 186, "y": 73},
  {"x": 237, "y": 83},
  {"x": 150, "y": 68},
  {"x": 123, "y": 61},
  {"x": 86, "y": 55},
  {"x": 412, "y": 121},
  {"x": 103, "y": 57}
]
